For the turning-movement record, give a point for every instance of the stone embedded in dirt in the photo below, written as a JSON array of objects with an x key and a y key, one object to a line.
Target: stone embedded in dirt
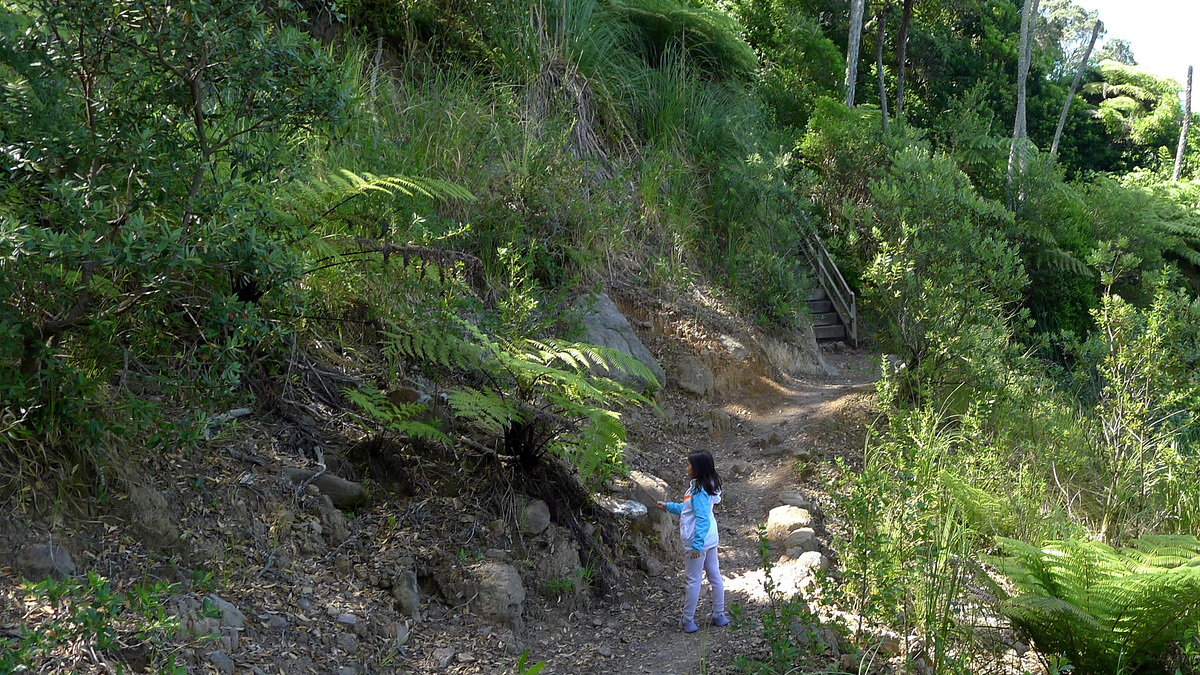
[
  {"x": 41, "y": 561},
  {"x": 276, "y": 621},
  {"x": 814, "y": 561},
  {"x": 604, "y": 651},
  {"x": 407, "y": 594},
  {"x": 466, "y": 657},
  {"x": 347, "y": 670},
  {"x": 443, "y": 656},
  {"x": 535, "y": 517},
  {"x": 783, "y": 520},
  {"x": 222, "y": 662},
  {"x": 848, "y": 665},
  {"x": 153, "y": 517},
  {"x": 347, "y": 619},
  {"x": 890, "y": 644},
  {"x": 501, "y": 593},
  {"x": 347, "y": 642},
  {"x": 231, "y": 616},
  {"x": 740, "y": 467},
  {"x": 735, "y": 348},
  {"x": 344, "y": 494},
  {"x": 802, "y": 454},
  {"x": 796, "y": 499},
  {"x": 604, "y": 325},
  {"x": 774, "y": 439},
  {"x": 722, "y": 422},
  {"x": 801, "y": 541},
  {"x": 692, "y": 376}
]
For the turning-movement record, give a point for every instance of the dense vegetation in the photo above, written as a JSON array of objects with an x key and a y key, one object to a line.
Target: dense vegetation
[{"x": 193, "y": 192}]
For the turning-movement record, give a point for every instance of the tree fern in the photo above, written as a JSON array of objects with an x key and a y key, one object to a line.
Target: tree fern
[
  {"x": 398, "y": 419},
  {"x": 1109, "y": 610}
]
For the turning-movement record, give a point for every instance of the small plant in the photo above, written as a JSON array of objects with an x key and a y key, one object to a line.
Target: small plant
[
  {"x": 87, "y": 613},
  {"x": 534, "y": 669}
]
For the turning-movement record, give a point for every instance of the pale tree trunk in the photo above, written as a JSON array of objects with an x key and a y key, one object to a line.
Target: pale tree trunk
[
  {"x": 1016, "y": 154},
  {"x": 1062, "y": 119},
  {"x": 879, "y": 36},
  {"x": 852, "y": 48},
  {"x": 901, "y": 55},
  {"x": 1187, "y": 124}
]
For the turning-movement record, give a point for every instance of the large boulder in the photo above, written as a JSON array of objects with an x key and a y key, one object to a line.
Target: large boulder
[
  {"x": 783, "y": 520},
  {"x": 604, "y": 325},
  {"x": 659, "y": 527},
  {"x": 501, "y": 593}
]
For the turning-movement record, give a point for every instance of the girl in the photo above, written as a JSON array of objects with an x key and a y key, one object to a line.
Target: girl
[{"x": 698, "y": 529}]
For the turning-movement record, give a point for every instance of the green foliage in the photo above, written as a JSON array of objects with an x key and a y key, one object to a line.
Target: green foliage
[
  {"x": 944, "y": 280},
  {"x": 87, "y": 613},
  {"x": 542, "y": 397},
  {"x": 137, "y": 225},
  {"x": 710, "y": 36},
  {"x": 1108, "y": 610}
]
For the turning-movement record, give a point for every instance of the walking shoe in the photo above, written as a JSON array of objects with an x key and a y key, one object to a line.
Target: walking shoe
[
  {"x": 720, "y": 620},
  {"x": 688, "y": 626}
]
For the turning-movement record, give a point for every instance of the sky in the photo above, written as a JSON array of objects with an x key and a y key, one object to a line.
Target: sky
[{"x": 1161, "y": 32}]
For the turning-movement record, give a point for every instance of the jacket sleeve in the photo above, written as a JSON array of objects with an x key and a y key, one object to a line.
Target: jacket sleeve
[
  {"x": 674, "y": 508},
  {"x": 703, "y": 510}
]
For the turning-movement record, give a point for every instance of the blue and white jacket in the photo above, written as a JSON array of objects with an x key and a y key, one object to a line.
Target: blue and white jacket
[{"x": 697, "y": 525}]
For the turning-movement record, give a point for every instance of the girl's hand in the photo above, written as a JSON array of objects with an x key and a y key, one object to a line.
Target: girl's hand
[
  {"x": 696, "y": 554},
  {"x": 662, "y": 506}
]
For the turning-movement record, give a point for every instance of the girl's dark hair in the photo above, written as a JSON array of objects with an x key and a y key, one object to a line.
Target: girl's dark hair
[{"x": 704, "y": 470}]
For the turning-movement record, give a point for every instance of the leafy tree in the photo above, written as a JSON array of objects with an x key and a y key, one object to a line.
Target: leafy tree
[
  {"x": 1117, "y": 50},
  {"x": 143, "y": 142}
]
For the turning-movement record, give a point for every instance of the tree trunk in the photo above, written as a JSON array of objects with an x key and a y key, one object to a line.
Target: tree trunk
[
  {"x": 901, "y": 51},
  {"x": 1062, "y": 119},
  {"x": 1016, "y": 154},
  {"x": 879, "y": 36},
  {"x": 852, "y": 49},
  {"x": 1187, "y": 124}
]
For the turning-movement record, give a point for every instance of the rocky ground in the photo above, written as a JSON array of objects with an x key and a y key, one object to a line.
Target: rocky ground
[{"x": 446, "y": 567}]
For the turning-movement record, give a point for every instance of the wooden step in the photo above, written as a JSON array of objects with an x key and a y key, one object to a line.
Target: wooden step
[
  {"x": 818, "y": 294},
  {"x": 826, "y": 319},
  {"x": 837, "y": 332},
  {"x": 819, "y": 307}
]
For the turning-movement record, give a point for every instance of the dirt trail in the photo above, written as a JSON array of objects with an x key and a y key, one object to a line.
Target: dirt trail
[{"x": 638, "y": 632}]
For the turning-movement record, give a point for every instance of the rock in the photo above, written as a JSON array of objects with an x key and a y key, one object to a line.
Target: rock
[
  {"x": 692, "y": 376},
  {"x": 347, "y": 670},
  {"x": 343, "y": 493},
  {"x": 783, "y": 520},
  {"x": 304, "y": 604},
  {"x": 848, "y": 664},
  {"x": 801, "y": 541},
  {"x": 652, "y": 566},
  {"x": 276, "y": 621},
  {"x": 231, "y": 617},
  {"x": 735, "y": 348},
  {"x": 443, "y": 656},
  {"x": 347, "y": 619},
  {"x": 466, "y": 657},
  {"x": 740, "y": 467},
  {"x": 658, "y": 525},
  {"x": 604, "y": 325},
  {"x": 794, "y": 498},
  {"x": 814, "y": 561},
  {"x": 722, "y": 422},
  {"x": 604, "y": 651},
  {"x": 347, "y": 642},
  {"x": 890, "y": 644},
  {"x": 535, "y": 517},
  {"x": 501, "y": 593},
  {"x": 796, "y": 352},
  {"x": 42, "y": 561},
  {"x": 803, "y": 455},
  {"x": 407, "y": 594},
  {"x": 153, "y": 517},
  {"x": 222, "y": 662},
  {"x": 335, "y": 526}
]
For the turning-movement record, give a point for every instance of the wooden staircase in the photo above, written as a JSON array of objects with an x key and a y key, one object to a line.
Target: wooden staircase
[
  {"x": 827, "y": 324},
  {"x": 832, "y": 304}
]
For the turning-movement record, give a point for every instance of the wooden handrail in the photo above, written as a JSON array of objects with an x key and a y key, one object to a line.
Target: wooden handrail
[{"x": 843, "y": 299}]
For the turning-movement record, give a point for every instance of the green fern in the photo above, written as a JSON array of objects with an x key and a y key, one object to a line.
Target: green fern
[
  {"x": 1109, "y": 610},
  {"x": 541, "y": 396},
  {"x": 398, "y": 419}
]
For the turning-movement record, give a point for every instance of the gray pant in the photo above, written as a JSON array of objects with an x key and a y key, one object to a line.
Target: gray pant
[{"x": 707, "y": 563}]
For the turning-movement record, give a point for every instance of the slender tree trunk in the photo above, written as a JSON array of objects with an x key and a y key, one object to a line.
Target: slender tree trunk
[
  {"x": 901, "y": 55},
  {"x": 852, "y": 49},
  {"x": 1062, "y": 119},
  {"x": 1187, "y": 124},
  {"x": 1016, "y": 154},
  {"x": 879, "y": 36}
]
